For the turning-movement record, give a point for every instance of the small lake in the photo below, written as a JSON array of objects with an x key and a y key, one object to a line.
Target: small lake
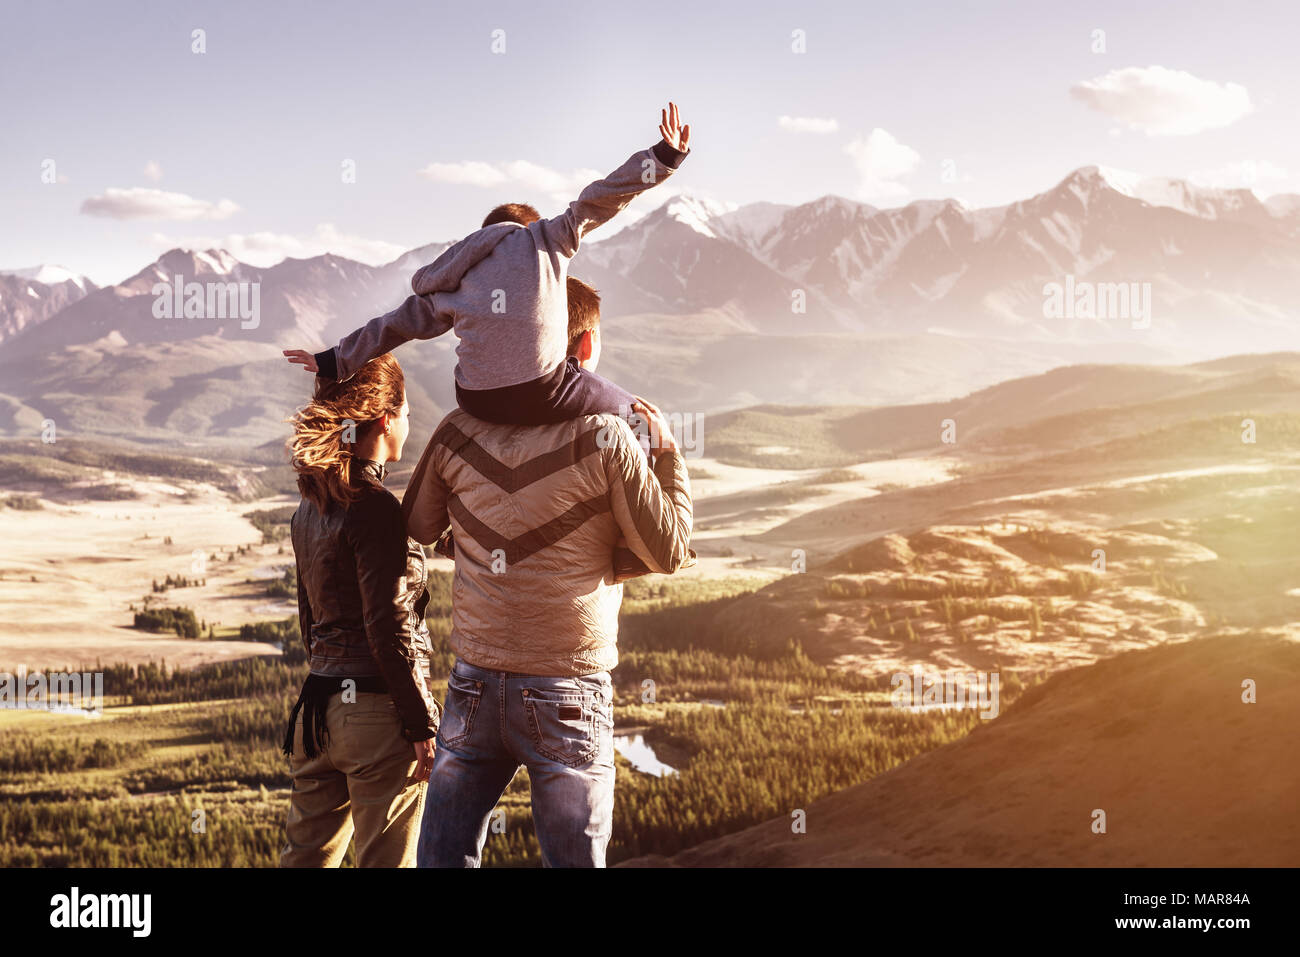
[{"x": 634, "y": 748}]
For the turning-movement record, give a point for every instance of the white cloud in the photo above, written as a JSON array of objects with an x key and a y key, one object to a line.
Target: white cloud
[
  {"x": 1240, "y": 174},
  {"x": 1164, "y": 102},
  {"x": 469, "y": 173},
  {"x": 881, "y": 160},
  {"x": 140, "y": 202},
  {"x": 520, "y": 174},
  {"x": 267, "y": 248},
  {"x": 531, "y": 176},
  {"x": 808, "y": 124},
  {"x": 153, "y": 171}
]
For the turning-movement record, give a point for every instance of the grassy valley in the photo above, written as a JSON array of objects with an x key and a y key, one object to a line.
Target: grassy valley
[{"x": 1062, "y": 529}]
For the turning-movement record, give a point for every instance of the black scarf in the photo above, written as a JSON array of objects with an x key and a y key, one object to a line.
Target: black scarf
[{"x": 313, "y": 702}]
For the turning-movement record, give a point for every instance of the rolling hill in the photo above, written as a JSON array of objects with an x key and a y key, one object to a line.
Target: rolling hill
[{"x": 1160, "y": 740}]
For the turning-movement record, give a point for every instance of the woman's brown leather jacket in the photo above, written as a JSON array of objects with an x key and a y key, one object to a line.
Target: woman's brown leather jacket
[{"x": 361, "y": 597}]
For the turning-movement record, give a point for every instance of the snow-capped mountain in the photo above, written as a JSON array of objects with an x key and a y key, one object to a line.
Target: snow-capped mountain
[
  {"x": 30, "y": 296},
  {"x": 1219, "y": 262},
  {"x": 1201, "y": 201},
  {"x": 125, "y": 359},
  {"x": 715, "y": 305},
  {"x": 749, "y": 225},
  {"x": 693, "y": 256},
  {"x": 1221, "y": 265},
  {"x": 297, "y": 302},
  {"x": 50, "y": 275}
]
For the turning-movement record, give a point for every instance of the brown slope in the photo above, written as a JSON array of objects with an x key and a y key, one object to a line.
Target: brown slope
[{"x": 1188, "y": 775}]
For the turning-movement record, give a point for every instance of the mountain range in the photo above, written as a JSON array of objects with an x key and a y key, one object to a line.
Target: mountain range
[
  {"x": 30, "y": 296},
  {"x": 708, "y": 306}
]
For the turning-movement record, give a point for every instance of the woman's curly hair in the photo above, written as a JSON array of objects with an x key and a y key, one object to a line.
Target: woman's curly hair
[{"x": 325, "y": 431}]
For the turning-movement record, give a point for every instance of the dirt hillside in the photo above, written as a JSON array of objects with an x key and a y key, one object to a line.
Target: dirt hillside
[{"x": 1188, "y": 775}]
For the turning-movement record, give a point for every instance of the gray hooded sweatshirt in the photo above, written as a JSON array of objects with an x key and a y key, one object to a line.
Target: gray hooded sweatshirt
[{"x": 503, "y": 288}]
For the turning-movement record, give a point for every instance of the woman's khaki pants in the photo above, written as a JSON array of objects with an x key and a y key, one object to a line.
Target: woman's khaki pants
[{"x": 362, "y": 780}]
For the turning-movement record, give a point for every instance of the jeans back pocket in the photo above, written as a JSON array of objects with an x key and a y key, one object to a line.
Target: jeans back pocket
[
  {"x": 565, "y": 725},
  {"x": 457, "y": 720}
]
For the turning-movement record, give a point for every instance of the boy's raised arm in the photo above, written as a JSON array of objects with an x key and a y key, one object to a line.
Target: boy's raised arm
[
  {"x": 416, "y": 318},
  {"x": 419, "y": 317},
  {"x": 600, "y": 201}
]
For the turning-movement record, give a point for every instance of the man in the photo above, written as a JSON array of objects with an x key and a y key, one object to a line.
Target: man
[{"x": 537, "y": 513}]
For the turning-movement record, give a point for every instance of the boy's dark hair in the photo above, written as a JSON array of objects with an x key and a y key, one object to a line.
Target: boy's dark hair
[
  {"x": 584, "y": 311},
  {"x": 520, "y": 213}
]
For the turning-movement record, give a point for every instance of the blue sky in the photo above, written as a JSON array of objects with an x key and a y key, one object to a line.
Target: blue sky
[{"x": 243, "y": 145}]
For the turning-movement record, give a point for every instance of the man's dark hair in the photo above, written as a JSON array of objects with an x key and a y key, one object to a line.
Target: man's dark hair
[
  {"x": 584, "y": 311},
  {"x": 520, "y": 213}
]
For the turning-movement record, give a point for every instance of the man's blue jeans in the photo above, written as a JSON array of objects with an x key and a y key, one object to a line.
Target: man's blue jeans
[{"x": 561, "y": 729}]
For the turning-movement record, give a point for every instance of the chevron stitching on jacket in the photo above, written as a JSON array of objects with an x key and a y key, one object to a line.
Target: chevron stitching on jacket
[
  {"x": 534, "y": 540},
  {"x": 508, "y": 478}
]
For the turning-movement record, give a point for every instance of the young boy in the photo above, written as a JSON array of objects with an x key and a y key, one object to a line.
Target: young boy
[{"x": 502, "y": 289}]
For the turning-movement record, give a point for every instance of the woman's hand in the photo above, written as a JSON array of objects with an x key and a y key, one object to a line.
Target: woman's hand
[
  {"x": 303, "y": 358},
  {"x": 423, "y": 759}
]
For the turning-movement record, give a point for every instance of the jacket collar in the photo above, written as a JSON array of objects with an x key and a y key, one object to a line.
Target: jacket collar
[{"x": 369, "y": 469}]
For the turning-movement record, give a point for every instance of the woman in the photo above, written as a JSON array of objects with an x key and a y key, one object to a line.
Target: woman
[{"x": 360, "y": 739}]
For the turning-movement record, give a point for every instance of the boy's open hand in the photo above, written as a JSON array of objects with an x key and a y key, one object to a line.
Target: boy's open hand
[
  {"x": 674, "y": 134},
  {"x": 303, "y": 358},
  {"x": 661, "y": 433}
]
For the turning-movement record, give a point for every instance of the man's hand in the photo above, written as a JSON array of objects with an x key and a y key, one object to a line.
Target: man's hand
[
  {"x": 445, "y": 545},
  {"x": 303, "y": 358},
  {"x": 423, "y": 759},
  {"x": 661, "y": 435},
  {"x": 674, "y": 134}
]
